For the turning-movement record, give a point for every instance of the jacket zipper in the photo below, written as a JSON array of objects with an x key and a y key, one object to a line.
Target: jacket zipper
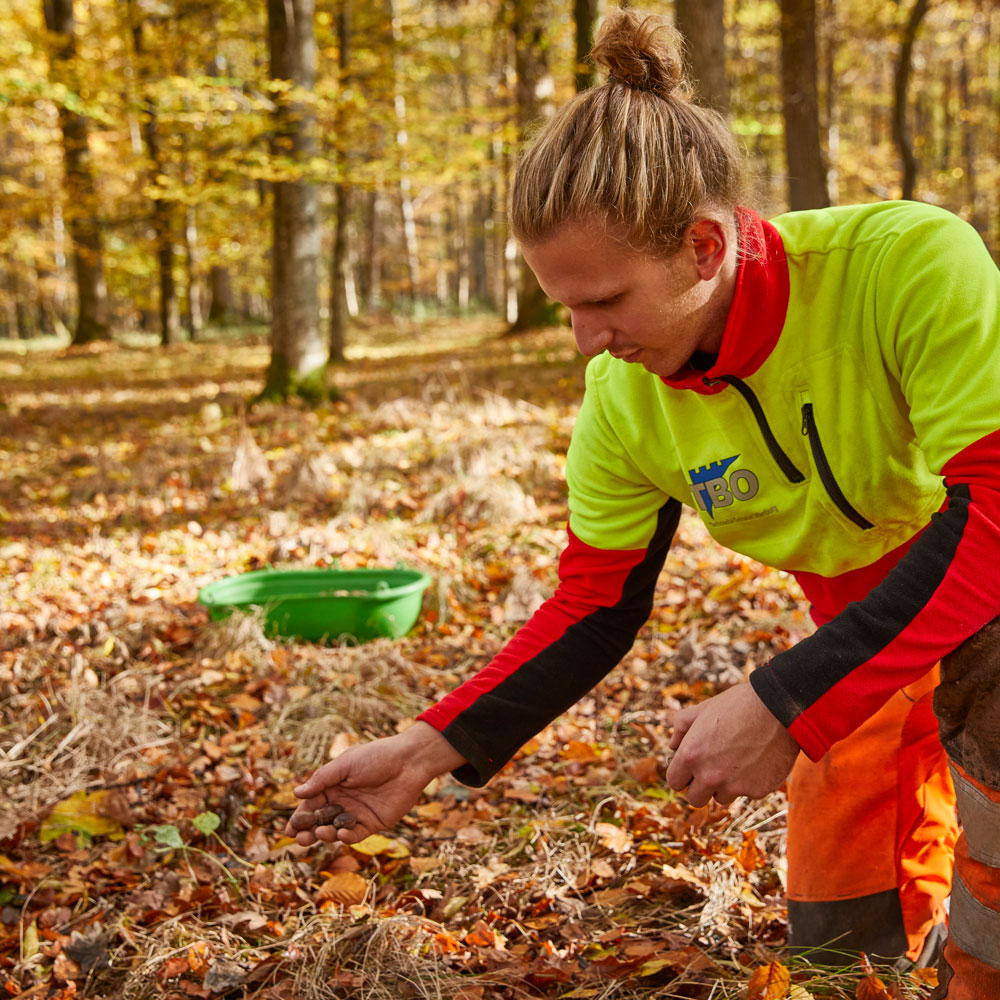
[
  {"x": 786, "y": 465},
  {"x": 810, "y": 430}
]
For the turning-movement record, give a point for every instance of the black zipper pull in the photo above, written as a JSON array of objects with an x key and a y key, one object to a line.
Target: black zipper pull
[{"x": 826, "y": 475}]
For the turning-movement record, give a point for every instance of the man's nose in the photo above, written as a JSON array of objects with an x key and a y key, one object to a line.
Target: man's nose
[{"x": 592, "y": 336}]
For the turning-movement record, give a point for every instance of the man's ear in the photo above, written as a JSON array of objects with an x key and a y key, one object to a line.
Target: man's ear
[{"x": 709, "y": 241}]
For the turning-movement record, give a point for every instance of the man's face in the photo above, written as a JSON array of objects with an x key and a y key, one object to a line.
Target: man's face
[{"x": 652, "y": 311}]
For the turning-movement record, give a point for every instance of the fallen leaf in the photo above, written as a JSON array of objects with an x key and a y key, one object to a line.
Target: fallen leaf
[
  {"x": 581, "y": 752},
  {"x": 80, "y": 813},
  {"x": 30, "y": 944},
  {"x": 655, "y": 965},
  {"x": 750, "y": 857},
  {"x": 377, "y": 844},
  {"x": 197, "y": 957},
  {"x": 482, "y": 935},
  {"x": 645, "y": 770},
  {"x": 927, "y": 976},
  {"x": 872, "y": 988},
  {"x": 255, "y": 847},
  {"x": 769, "y": 982},
  {"x": 613, "y": 837},
  {"x": 253, "y": 920},
  {"x": 344, "y": 888},
  {"x": 681, "y": 874},
  {"x": 422, "y": 865},
  {"x": 173, "y": 967}
]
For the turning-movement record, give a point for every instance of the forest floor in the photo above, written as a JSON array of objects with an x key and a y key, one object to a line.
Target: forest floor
[{"x": 148, "y": 755}]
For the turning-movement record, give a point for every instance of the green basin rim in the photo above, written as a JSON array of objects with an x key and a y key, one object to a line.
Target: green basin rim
[{"x": 312, "y": 584}]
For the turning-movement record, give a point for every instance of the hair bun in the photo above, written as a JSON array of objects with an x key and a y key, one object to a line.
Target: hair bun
[{"x": 641, "y": 51}]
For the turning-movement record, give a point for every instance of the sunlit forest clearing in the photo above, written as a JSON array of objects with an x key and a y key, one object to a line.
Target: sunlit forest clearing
[{"x": 260, "y": 307}]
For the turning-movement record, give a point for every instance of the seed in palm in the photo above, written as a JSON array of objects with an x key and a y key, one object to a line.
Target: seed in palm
[
  {"x": 345, "y": 820},
  {"x": 327, "y": 816}
]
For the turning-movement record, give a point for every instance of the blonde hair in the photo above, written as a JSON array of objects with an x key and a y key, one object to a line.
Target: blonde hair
[{"x": 634, "y": 151}]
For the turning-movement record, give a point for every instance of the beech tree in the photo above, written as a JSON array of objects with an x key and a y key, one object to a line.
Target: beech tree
[
  {"x": 584, "y": 16},
  {"x": 163, "y": 209},
  {"x": 81, "y": 194},
  {"x": 800, "y": 98},
  {"x": 702, "y": 23},
  {"x": 900, "y": 126},
  {"x": 299, "y": 352},
  {"x": 342, "y": 202},
  {"x": 529, "y": 27}
]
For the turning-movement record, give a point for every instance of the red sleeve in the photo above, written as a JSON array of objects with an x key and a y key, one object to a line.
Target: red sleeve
[
  {"x": 604, "y": 597},
  {"x": 943, "y": 590}
]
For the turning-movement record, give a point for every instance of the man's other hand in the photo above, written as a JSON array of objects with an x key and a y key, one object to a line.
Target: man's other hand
[{"x": 728, "y": 746}]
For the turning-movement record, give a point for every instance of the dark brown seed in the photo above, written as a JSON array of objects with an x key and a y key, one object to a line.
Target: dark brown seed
[
  {"x": 328, "y": 814},
  {"x": 303, "y": 820},
  {"x": 345, "y": 821}
]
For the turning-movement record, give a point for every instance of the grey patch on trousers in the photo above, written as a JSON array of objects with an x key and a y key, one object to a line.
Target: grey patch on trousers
[
  {"x": 980, "y": 817},
  {"x": 973, "y": 926}
]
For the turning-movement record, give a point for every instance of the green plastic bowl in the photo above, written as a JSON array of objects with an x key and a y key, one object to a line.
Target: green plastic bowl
[{"x": 323, "y": 605}]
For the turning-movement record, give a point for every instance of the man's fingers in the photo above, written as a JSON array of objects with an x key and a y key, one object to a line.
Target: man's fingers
[
  {"x": 683, "y": 721},
  {"x": 322, "y": 778},
  {"x": 679, "y": 775},
  {"x": 698, "y": 795},
  {"x": 312, "y": 803},
  {"x": 353, "y": 836}
]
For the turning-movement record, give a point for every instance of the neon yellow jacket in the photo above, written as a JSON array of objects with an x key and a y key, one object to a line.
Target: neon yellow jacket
[{"x": 848, "y": 432}]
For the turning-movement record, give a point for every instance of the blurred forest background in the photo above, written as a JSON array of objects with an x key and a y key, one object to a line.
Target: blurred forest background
[
  {"x": 168, "y": 164},
  {"x": 289, "y": 184}
]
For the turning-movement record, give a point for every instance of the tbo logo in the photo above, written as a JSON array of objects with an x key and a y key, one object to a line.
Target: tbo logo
[{"x": 711, "y": 487}]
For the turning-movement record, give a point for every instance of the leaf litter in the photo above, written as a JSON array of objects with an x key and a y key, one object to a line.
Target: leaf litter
[{"x": 148, "y": 756}]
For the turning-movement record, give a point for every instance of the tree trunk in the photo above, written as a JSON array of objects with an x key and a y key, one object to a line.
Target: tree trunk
[
  {"x": 299, "y": 352},
  {"x": 584, "y": 16},
  {"x": 481, "y": 257},
  {"x": 904, "y": 66},
  {"x": 163, "y": 210},
  {"x": 222, "y": 308},
  {"x": 371, "y": 266},
  {"x": 8, "y": 312},
  {"x": 462, "y": 254},
  {"x": 81, "y": 194},
  {"x": 193, "y": 319},
  {"x": 529, "y": 22},
  {"x": 406, "y": 213},
  {"x": 702, "y": 23},
  {"x": 831, "y": 33},
  {"x": 969, "y": 172},
  {"x": 342, "y": 202},
  {"x": 800, "y": 95}
]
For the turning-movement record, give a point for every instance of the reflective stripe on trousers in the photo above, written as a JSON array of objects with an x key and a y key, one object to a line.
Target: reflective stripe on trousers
[
  {"x": 967, "y": 704},
  {"x": 970, "y": 966}
]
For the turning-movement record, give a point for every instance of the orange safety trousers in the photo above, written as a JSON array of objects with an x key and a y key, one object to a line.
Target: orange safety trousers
[
  {"x": 871, "y": 836},
  {"x": 872, "y": 833}
]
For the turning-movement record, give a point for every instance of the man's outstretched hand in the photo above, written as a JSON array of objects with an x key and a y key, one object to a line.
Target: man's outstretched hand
[
  {"x": 728, "y": 746},
  {"x": 377, "y": 782}
]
